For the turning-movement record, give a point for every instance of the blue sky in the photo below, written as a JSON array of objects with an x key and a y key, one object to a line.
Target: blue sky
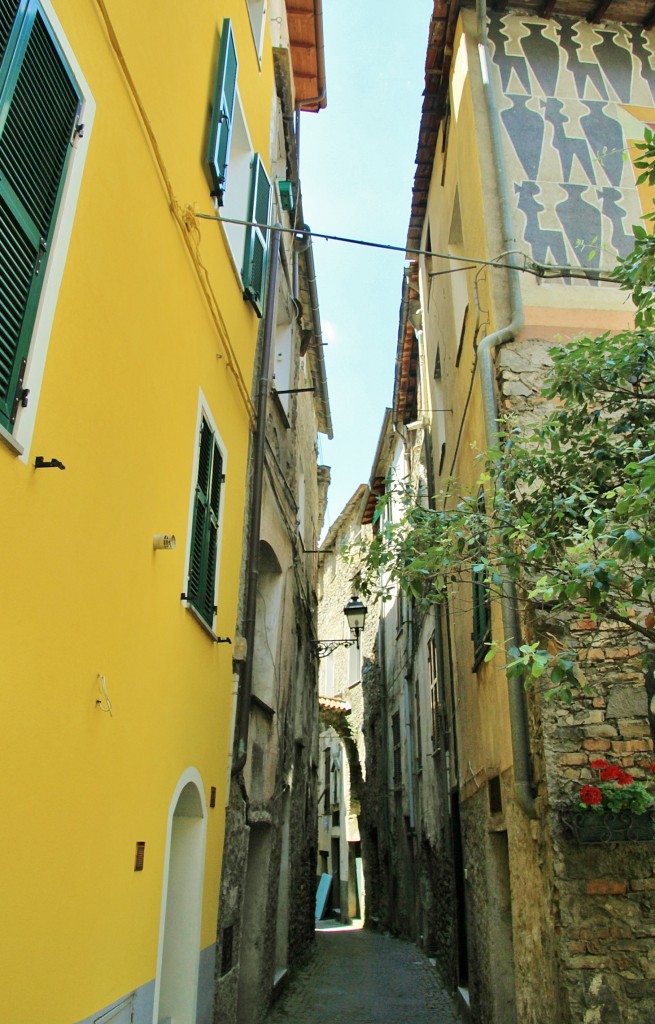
[{"x": 357, "y": 170}]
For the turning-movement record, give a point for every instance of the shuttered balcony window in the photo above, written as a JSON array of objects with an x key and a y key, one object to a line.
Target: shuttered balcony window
[
  {"x": 39, "y": 108},
  {"x": 201, "y": 586},
  {"x": 222, "y": 121},
  {"x": 481, "y": 598},
  {"x": 253, "y": 273}
]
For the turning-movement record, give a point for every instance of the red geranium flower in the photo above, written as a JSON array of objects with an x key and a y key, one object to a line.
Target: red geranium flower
[
  {"x": 651, "y": 767},
  {"x": 601, "y": 763},
  {"x": 611, "y": 773},
  {"x": 590, "y": 795},
  {"x": 624, "y": 779}
]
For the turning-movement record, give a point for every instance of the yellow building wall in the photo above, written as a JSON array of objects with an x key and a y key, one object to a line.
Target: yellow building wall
[
  {"x": 132, "y": 344},
  {"x": 554, "y": 312},
  {"x": 482, "y": 711}
]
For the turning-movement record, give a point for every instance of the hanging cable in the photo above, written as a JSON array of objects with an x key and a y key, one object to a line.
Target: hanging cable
[{"x": 530, "y": 266}]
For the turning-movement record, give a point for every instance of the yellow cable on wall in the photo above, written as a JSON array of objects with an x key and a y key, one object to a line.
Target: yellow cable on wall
[{"x": 185, "y": 217}]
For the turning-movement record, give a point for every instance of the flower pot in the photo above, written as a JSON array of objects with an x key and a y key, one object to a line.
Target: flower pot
[{"x": 608, "y": 826}]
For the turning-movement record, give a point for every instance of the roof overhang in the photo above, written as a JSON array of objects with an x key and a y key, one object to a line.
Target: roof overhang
[
  {"x": 305, "y": 21},
  {"x": 380, "y": 467}
]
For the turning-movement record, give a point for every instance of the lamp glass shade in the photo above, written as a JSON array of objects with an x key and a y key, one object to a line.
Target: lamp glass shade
[{"x": 355, "y": 612}]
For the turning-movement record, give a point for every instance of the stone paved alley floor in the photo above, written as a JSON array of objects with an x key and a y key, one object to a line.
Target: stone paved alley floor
[{"x": 355, "y": 976}]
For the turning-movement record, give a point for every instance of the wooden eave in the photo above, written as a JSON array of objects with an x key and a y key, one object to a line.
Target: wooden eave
[
  {"x": 305, "y": 22},
  {"x": 443, "y": 23},
  {"x": 405, "y": 390},
  {"x": 380, "y": 468}
]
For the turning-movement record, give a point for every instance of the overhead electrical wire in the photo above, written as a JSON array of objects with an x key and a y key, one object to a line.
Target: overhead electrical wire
[{"x": 530, "y": 266}]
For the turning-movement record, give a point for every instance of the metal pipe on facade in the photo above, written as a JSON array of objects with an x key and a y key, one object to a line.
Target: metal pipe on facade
[
  {"x": 295, "y": 248},
  {"x": 256, "y": 493},
  {"x": 320, "y": 381},
  {"x": 511, "y": 626}
]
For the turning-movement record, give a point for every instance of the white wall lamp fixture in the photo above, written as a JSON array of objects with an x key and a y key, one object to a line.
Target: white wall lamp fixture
[{"x": 164, "y": 542}]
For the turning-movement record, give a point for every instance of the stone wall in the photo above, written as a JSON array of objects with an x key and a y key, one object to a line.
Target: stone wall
[
  {"x": 303, "y": 840},
  {"x": 230, "y": 906},
  {"x": 606, "y": 893},
  {"x": 599, "y": 900}
]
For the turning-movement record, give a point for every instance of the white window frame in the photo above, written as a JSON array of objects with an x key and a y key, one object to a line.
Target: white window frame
[
  {"x": 20, "y": 438},
  {"x": 237, "y": 188},
  {"x": 204, "y": 412}
]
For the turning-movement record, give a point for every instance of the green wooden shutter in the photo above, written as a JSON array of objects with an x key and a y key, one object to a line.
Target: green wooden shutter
[
  {"x": 39, "y": 104},
  {"x": 8, "y": 21},
  {"x": 256, "y": 246},
  {"x": 481, "y": 597},
  {"x": 212, "y": 531},
  {"x": 220, "y": 131},
  {"x": 204, "y": 536}
]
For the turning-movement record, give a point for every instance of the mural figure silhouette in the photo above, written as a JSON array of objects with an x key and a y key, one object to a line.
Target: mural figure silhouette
[
  {"x": 621, "y": 240},
  {"x": 568, "y": 147},
  {"x": 605, "y": 136},
  {"x": 582, "y": 70},
  {"x": 616, "y": 63},
  {"x": 546, "y": 244},
  {"x": 526, "y": 130},
  {"x": 543, "y": 57},
  {"x": 582, "y": 223},
  {"x": 638, "y": 43},
  {"x": 507, "y": 62}
]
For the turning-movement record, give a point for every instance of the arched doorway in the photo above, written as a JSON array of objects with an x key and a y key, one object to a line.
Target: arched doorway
[{"x": 176, "y": 987}]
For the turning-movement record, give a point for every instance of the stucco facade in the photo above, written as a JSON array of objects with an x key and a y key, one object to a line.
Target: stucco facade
[{"x": 116, "y": 695}]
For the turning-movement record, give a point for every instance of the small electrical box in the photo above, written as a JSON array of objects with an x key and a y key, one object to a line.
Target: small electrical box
[{"x": 286, "y": 195}]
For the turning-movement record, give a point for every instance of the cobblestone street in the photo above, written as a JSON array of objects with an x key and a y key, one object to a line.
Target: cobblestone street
[{"x": 363, "y": 977}]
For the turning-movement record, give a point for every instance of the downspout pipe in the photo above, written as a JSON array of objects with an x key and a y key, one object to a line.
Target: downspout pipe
[
  {"x": 320, "y": 380},
  {"x": 523, "y": 787},
  {"x": 240, "y": 754}
]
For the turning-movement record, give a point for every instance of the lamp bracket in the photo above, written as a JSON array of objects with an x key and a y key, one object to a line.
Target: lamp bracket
[{"x": 325, "y": 647}]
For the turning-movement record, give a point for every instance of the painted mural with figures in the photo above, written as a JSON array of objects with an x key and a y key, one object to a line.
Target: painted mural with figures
[{"x": 573, "y": 97}]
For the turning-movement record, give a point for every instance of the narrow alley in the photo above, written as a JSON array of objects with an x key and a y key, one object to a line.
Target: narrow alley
[{"x": 364, "y": 977}]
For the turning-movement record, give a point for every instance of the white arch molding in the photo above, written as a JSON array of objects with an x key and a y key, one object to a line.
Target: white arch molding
[{"x": 178, "y": 955}]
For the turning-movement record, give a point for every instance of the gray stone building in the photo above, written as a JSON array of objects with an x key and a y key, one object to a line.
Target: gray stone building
[
  {"x": 344, "y": 673},
  {"x": 266, "y": 912}
]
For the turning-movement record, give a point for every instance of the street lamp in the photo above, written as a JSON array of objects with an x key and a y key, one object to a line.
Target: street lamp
[{"x": 355, "y": 613}]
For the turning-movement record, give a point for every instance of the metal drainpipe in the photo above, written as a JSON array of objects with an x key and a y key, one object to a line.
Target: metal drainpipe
[
  {"x": 257, "y": 487},
  {"x": 485, "y": 362},
  {"x": 295, "y": 248}
]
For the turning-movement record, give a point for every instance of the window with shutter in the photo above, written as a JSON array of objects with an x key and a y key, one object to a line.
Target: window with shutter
[
  {"x": 481, "y": 596},
  {"x": 220, "y": 132},
  {"x": 201, "y": 586},
  {"x": 39, "y": 107},
  {"x": 253, "y": 274}
]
